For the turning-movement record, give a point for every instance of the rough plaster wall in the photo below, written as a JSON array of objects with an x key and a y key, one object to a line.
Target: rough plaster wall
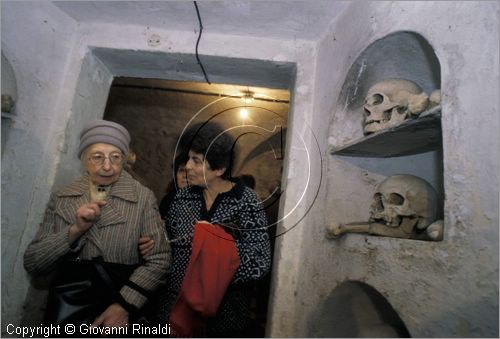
[
  {"x": 153, "y": 64},
  {"x": 89, "y": 101},
  {"x": 439, "y": 289},
  {"x": 30, "y": 155},
  {"x": 129, "y": 37},
  {"x": 299, "y": 207},
  {"x": 154, "y": 120}
]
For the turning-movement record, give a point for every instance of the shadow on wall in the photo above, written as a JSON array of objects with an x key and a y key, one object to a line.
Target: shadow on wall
[
  {"x": 356, "y": 310},
  {"x": 265, "y": 163}
]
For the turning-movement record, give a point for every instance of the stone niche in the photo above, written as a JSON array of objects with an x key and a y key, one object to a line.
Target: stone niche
[
  {"x": 356, "y": 310},
  {"x": 9, "y": 98},
  {"x": 411, "y": 147}
]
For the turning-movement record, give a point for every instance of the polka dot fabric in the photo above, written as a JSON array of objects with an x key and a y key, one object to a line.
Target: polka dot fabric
[{"x": 242, "y": 215}]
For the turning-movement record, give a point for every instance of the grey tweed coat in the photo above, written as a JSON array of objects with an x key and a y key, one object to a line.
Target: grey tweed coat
[{"x": 131, "y": 212}]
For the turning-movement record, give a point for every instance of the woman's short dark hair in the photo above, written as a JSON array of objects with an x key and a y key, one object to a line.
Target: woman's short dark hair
[
  {"x": 248, "y": 180},
  {"x": 179, "y": 160},
  {"x": 214, "y": 142}
]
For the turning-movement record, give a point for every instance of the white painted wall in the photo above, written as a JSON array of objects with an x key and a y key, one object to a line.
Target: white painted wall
[
  {"x": 38, "y": 41},
  {"x": 440, "y": 289},
  {"x": 89, "y": 102}
]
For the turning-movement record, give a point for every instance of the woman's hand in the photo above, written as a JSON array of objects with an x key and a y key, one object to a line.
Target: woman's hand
[
  {"x": 146, "y": 244},
  {"x": 86, "y": 216},
  {"x": 114, "y": 316}
]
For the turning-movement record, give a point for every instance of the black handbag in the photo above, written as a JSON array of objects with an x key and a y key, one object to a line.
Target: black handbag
[{"x": 83, "y": 289}]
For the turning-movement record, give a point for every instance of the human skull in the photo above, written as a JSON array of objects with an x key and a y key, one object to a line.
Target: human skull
[
  {"x": 403, "y": 198},
  {"x": 392, "y": 101}
]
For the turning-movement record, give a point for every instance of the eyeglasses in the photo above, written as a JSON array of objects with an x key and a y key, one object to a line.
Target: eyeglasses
[{"x": 115, "y": 158}]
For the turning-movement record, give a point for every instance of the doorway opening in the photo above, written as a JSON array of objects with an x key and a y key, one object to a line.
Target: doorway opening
[{"x": 156, "y": 112}]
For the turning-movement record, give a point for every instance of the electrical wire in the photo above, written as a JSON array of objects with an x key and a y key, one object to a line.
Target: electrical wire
[{"x": 198, "y": 41}]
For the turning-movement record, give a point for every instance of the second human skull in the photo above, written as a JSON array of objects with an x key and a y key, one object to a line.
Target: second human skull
[
  {"x": 404, "y": 196},
  {"x": 392, "y": 101}
]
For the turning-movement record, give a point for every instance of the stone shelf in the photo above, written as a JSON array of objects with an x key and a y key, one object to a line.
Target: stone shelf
[{"x": 411, "y": 137}]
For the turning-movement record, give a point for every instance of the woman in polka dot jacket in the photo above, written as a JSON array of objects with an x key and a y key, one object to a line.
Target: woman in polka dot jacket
[{"x": 214, "y": 197}]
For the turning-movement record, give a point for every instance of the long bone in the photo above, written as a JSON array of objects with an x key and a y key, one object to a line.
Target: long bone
[{"x": 374, "y": 228}]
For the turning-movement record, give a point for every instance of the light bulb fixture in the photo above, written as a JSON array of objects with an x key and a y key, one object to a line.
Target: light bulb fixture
[
  {"x": 243, "y": 113},
  {"x": 247, "y": 97}
]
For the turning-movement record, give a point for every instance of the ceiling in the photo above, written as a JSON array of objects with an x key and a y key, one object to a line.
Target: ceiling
[
  {"x": 279, "y": 19},
  {"x": 202, "y": 88},
  {"x": 285, "y": 19}
]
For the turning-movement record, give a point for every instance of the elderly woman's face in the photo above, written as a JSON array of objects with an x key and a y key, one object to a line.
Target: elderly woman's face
[{"x": 104, "y": 163}]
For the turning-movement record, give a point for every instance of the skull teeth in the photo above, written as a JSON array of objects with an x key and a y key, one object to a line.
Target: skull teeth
[
  {"x": 387, "y": 221},
  {"x": 377, "y": 121}
]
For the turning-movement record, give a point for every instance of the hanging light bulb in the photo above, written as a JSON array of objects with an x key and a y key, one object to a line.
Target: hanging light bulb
[{"x": 243, "y": 113}]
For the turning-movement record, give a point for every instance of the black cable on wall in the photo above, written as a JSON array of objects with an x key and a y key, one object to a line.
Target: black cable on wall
[{"x": 198, "y": 41}]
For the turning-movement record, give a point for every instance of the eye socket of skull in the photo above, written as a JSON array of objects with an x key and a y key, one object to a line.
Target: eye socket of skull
[
  {"x": 378, "y": 205},
  {"x": 396, "y": 199},
  {"x": 377, "y": 99},
  {"x": 402, "y": 109}
]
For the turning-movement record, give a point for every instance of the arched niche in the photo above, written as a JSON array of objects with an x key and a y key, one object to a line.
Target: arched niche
[
  {"x": 418, "y": 141},
  {"x": 9, "y": 86},
  {"x": 356, "y": 310},
  {"x": 9, "y": 97},
  {"x": 405, "y": 55}
]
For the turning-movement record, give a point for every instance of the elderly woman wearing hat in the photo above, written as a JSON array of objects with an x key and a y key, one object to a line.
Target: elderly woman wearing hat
[{"x": 103, "y": 214}]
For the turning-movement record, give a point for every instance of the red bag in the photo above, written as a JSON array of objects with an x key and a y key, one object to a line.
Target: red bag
[{"x": 211, "y": 268}]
